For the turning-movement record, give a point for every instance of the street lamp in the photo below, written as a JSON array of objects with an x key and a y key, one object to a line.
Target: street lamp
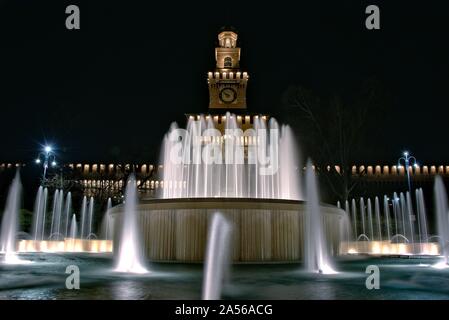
[
  {"x": 408, "y": 160},
  {"x": 46, "y": 157}
]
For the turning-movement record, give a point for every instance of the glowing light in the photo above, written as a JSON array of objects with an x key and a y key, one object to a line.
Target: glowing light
[
  {"x": 48, "y": 149},
  {"x": 416, "y": 165},
  {"x": 53, "y": 163},
  {"x": 406, "y": 153},
  {"x": 352, "y": 251},
  {"x": 326, "y": 269},
  {"x": 38, "y": 161},
  {"x": 440, "y": 265},
  {"x": 12, "y": 258}
]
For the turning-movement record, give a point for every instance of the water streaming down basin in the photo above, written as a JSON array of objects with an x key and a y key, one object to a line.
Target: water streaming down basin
[
  {"x": 217, "y": 260},
  {"x": 199, "y": 162},
  {"x": 10, "y": 223},
  {"x": 129, "y": 258},
  {"x": 316, "y": 257}
]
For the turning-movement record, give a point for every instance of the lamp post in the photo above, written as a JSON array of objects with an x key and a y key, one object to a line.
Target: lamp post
[
  {"x": 46, "y": 157},
  {"x": 408, "y": 160}
]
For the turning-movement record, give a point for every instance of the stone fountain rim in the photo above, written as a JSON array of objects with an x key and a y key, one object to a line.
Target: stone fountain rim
[{"x": 226, "y": 203}]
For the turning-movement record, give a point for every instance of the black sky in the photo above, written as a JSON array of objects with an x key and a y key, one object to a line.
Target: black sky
[{"x": 110, "y": 91}]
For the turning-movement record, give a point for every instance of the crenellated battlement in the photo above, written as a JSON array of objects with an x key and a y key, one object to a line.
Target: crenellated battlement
[{"x": 226, "y": 75}]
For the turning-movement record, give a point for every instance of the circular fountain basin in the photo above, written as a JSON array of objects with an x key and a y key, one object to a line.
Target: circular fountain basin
[{"x": 264, "y": 230}]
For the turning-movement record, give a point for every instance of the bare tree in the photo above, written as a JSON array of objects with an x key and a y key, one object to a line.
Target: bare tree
[{"x": 334, "y": 131}]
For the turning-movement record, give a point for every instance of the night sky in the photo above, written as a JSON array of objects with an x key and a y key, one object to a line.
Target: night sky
[{"x": 109, "y": 91}]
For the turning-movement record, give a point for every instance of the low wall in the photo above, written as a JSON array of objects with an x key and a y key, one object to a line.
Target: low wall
[
  {"x": 388, "y": 248},
  {"x": 67, "y": 245}
]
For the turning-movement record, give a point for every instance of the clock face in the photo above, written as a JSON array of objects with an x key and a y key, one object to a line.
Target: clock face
[{"x": 228, "y": 95}]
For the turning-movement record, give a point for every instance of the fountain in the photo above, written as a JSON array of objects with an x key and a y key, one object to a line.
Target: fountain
[
  {"x": 252, "y": 177},
  {"x": 442, "y": 219},
  {"x": 73, "y": 228},
  {"x": 129, "y": 254},
  {"x": 404, "y": 240},
  {"x": 316, "y": 257},
  {"x": 10, "y": 223},
  {"x": 217, "y": 258},
  {"x": 90, "y": 219},
  {"x": 363, "y": 215},
  {"x": 377, "y": 213},
  {"x": 68, "y": 208},
  {"x": 354, "y": 217},
  {"x": 212, "y": 173},
  {"x": 58, "y": 198},
  {"x": 370, "y": 219},
  {"x": 40, "y": 208},
  {"x": 107, "y": 223},
  {"x": 83, "y": 217},
  {"x": 387, "y": 217}
]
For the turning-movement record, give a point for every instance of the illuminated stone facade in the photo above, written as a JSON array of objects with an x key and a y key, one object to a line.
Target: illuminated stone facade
[{"x": 227, "y": 83}]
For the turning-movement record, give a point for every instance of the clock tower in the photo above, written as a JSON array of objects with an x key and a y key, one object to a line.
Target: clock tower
[{"x": 227, "y": 84}]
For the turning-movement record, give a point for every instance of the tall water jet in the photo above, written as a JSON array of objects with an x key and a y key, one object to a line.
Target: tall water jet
[
  {"x": 354, "y": 218},
  {"x": 377, "y": 213},
  {"x": 363, "y": 215},
  {"x": 387, "y": 217},
  {"x": 73, "y": 228},
  {"x": 404, "y": 213},
  {"x": 10, "y": 223},
  {"x": 90, "y": 218},
  {"x": 422, "y": 216},
  {"x": 370, "y": 219},
  {"x": 44, "y": 213},
  {"x": 315, "y": 249},
  {"x": 107, "y": 224},
  {"x": 67, "y": 210},
  {"x": 396, "y": 213},
  {"x": 410, "y": 217},
  {"x": 83, "y": 217},
  {"x": 58, "y": 203},
  {"x": 54, "y": 212},
  {"x": 217, "y": 258},
  {"x": 129, "y": 257},
  {"x": 199, "y": 162},
  {"x": 442, "y": 218},
  {"x": 38, "y": 214},
  {"x": 346, "y": 224}
]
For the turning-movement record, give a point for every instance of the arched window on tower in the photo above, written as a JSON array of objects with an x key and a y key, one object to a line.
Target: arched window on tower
[{"x": 228, "y": 62}]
